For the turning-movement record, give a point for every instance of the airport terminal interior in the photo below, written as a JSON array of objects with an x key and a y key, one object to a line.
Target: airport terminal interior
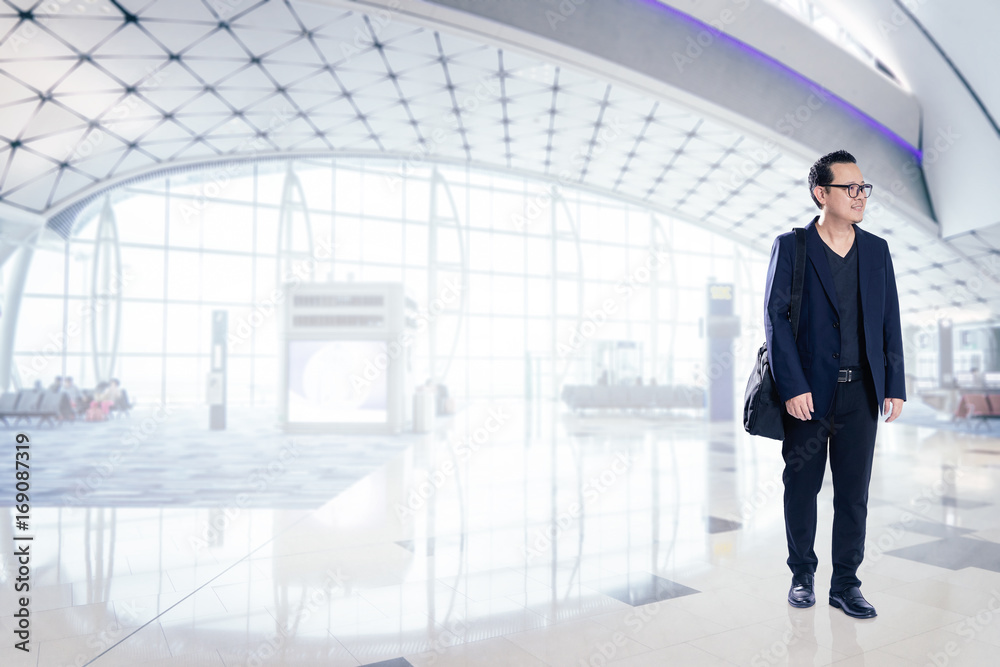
[{"x": 417, "y": 332}]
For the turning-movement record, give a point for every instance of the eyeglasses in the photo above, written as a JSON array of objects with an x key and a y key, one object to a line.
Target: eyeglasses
[{"x": 853, "y": 190}]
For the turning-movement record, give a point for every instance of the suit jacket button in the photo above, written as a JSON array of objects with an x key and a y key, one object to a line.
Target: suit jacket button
[
  {"x": 836, "y": 324},
  {"x": 836, "y": 356}
]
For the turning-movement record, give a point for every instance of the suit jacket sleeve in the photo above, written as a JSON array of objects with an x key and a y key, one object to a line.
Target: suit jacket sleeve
[
  {"x": 892, "y": 335},
  {"x": 782, "y": 352}
]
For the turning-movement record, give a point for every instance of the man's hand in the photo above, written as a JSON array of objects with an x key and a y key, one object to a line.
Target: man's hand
[
  {"x": 801, "y": 406},
  {"x": 893, "y": 404}
]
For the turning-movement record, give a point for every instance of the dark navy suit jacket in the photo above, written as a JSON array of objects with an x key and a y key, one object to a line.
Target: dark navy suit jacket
[{"x": 811, "y": 363}]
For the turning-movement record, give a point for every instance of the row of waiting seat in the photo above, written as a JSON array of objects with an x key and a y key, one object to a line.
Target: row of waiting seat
[
  {"x": 977, "y": 407},
  {"x": 47, "y": 406},
  {"x": 634, "y": 397}
]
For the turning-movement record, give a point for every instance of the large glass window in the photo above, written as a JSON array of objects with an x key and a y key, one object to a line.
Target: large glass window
[{"x": 539, "y": 272}]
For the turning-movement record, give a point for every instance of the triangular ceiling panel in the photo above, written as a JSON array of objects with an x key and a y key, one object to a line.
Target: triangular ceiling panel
[
  {"x": 24, "y": 167},
  {"x": 214, "y": 71},
  {"x": 91, "y": 105},
  {"x": 133, "y": 161},
  {"x": 167, "y": 131},
  {"x": 314, "y": 16},
  {"x": 12, "y": 91},
  {"x": 202, "y": 123},
  {"x": 132, "y": 71},
  {"x": 263, "y": 41},
  {"x": 206, "y": 103},
  {"x": 50, "y": 118},
  {"x": 167, "y": 149},
  {"x": 134, "y": 127},
  {"x": 288, "y": 75},
  {"x": 83, "y": 34},
  {"x": 171, "y": 75},
  {"x": 29, "y": 193},
  {"x": 29, "y": 41},
  {"x": 176, "y": 37},
  {"x": 157, "y": 13},
  {"x": 298, "y": 51},
  {"x": 70, "y": 183},
  {"x": 250, "y": 76},
  {"x": 220, "y": 44},
  {"x": 131, "y": 42},
  {"x": 61, "y": 146},
  {"x": 13, "y": 118},
  {"x": 86, "y": 78},
  {"x": 196, "y": 150},
  {"x": 37, "y": 75},
  {"x": 269, "y": 16}
]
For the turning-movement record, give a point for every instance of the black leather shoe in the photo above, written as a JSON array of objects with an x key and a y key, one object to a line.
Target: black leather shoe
[
  {"x": 852, "y": 602},
  {"x": 801, "y": 593}
]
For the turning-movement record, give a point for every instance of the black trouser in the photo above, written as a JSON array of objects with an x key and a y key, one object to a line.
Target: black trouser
[{"x": 849, "y": 432}]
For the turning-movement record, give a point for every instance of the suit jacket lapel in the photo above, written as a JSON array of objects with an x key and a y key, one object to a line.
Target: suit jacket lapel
[
  {"x": 865, "y": 264},
  {"x": 815, "y": 252}
]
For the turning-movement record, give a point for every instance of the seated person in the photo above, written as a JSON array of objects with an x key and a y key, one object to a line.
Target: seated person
[
  {"x": 104, "y": 398},
  {"x": 72, "y": 391}
]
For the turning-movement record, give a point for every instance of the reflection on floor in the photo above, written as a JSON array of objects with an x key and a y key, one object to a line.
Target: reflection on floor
[
  {"x": 167, "y": 457},
  {"x": 520, "y": 540}
]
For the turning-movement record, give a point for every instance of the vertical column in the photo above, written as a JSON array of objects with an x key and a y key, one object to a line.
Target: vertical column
[
  {"x": 721, "y": 328},
  {"x": 946, "y": 354},
  {"x": 217, "y": 376}
]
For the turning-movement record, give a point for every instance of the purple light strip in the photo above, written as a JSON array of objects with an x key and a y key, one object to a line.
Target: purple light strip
[{"x": 847, "y": 106}]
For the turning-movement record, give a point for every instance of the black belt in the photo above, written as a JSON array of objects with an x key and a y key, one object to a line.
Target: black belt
[{"x": 850, "y": 374}]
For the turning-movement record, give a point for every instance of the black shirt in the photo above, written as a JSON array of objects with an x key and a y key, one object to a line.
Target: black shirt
[{"x": 845, "y": 280}]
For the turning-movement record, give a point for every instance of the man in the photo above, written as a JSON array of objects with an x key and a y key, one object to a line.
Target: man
[
  {"x": 846, "y": 362},
  {"x": 73, "y": 392}
]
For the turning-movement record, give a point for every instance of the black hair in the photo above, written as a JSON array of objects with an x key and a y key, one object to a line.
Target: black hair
[{"x": 821, "y": 173}]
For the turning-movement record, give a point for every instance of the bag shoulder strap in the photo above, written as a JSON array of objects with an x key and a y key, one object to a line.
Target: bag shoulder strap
[{"x": 798, "y": 278}]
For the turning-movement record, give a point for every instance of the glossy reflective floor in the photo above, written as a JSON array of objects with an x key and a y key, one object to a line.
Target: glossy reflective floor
[{"x": 513, "y": 538}]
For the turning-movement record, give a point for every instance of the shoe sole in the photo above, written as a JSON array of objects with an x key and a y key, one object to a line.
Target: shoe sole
[
  {"x": 802, "y": 605},
  {"x": 836, "y": 603}
]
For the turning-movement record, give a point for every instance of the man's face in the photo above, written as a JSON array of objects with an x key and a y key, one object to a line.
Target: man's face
[{"x": 837, "y": 202}]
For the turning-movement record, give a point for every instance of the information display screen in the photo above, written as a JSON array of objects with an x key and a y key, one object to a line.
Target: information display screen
[{"x": 337, "y": 382}]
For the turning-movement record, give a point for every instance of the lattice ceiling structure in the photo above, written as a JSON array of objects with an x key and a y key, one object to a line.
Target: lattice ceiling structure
[{"x": 95, "y": 92}]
